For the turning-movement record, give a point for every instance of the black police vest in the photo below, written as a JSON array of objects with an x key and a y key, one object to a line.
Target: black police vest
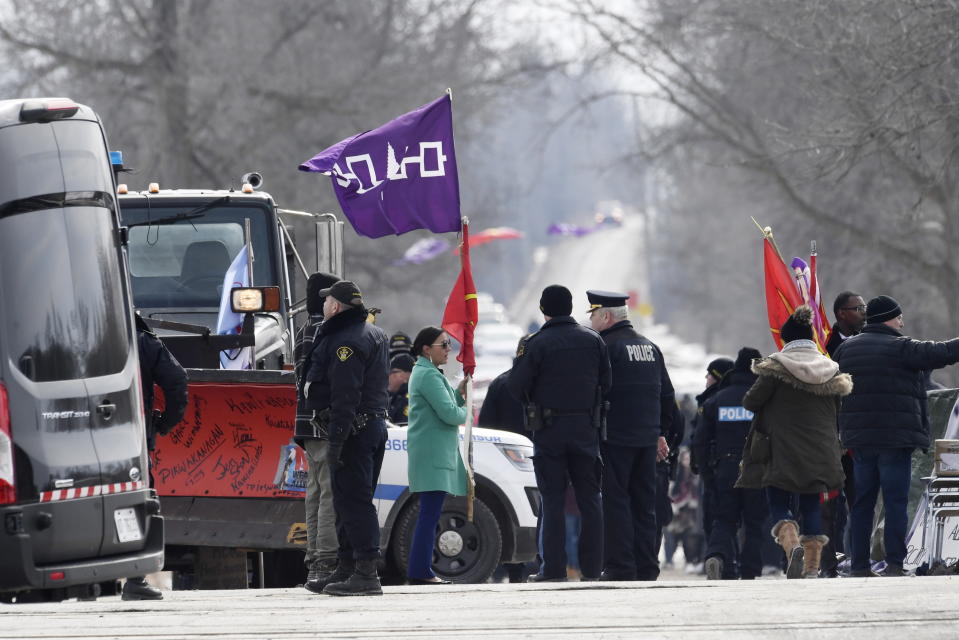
[
  {"x": 728, "y": 419},
  {"x": 563, "y": 367},
  {"x": 635, "y": 399}
]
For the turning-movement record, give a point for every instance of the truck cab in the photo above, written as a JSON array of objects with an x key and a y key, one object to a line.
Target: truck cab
[
  {"x": 181, "y": 243},
  {"x": 74, "y": 497}
]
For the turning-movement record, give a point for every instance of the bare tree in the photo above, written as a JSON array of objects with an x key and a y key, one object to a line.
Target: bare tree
[{"x": 843, "y": 112}]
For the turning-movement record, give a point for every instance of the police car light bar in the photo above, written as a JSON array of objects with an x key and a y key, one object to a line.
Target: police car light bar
[
  {"x": 48, "y": 110},
  {"x": 254, "y": 299}
]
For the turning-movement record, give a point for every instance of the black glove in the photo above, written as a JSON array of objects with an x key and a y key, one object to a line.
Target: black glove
[
  {"x": 158, "y": 427},
  {"x": 333, "y": 453}
]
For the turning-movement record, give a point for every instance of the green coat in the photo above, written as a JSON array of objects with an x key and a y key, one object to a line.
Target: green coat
[{"x": 436, "y": 412}]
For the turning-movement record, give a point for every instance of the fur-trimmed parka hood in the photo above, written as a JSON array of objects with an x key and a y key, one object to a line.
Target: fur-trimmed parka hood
[{"x": 805, "y": 368}]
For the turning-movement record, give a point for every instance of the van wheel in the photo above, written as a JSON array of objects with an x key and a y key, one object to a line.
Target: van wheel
[{"x": 466, "y": 552}]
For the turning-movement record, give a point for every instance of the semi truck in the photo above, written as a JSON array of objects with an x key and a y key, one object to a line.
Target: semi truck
[{"x": 230, "y": 479}]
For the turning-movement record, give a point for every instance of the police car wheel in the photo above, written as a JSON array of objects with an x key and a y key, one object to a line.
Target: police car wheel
[{"x": 466, "y": 552}]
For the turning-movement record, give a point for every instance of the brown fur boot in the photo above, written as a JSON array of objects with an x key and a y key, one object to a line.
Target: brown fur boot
[
  {"x": 812, "y": 553},
  {"x": 786, "y": 535}
]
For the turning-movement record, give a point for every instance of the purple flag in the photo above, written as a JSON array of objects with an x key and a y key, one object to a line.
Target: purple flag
[
  {"x": 566, "y": 229},
  {"x": 424, "y": 250},
  {"x": 398, "y": 177}
]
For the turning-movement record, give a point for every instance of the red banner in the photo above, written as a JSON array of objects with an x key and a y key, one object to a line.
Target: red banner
[
  {"x": 234, "y": 440},
  {"x": 782, "y": 297}
]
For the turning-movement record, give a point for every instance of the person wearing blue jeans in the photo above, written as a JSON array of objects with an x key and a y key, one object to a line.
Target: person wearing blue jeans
[
  {"x": 792, "y": 446},
  {"x": 888, "y": 470},
  {"x": 883, "y": 420}
]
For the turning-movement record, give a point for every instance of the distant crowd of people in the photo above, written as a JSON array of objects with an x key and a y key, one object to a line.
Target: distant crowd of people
[{"x": 798, "y": 443}]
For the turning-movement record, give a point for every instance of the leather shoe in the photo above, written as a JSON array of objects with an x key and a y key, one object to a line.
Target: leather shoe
[
  {"x": 433, "y": 580},
  {"x": 539, "y": 577}
]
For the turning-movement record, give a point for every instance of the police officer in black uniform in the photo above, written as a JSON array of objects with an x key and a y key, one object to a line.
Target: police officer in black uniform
[
  {"x": 715, "y": 371},
  {"x": 641, "y": 405},
  {"x": 722, "y": 434},
  {"x": 666, "y": 471},
  {"x": 157, "y": 365},
  {"x": 346, "y": 386},
  {"x": 401, "y": 367},
  {"x": 562, "y": 376}
]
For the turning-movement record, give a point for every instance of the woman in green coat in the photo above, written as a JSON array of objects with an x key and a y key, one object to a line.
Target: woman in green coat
[{"x": 435, "y": 467}]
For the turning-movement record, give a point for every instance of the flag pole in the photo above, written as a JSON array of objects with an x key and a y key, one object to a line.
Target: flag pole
[{"x": 468, "y": 427}]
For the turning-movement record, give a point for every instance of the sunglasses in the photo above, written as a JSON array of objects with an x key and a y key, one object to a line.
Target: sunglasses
[
  {"x": 860, "y": 308},
  {"x": 446, "y": 344}
]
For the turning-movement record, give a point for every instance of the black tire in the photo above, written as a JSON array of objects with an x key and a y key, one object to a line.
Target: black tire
[{"x": 470, "y": 550}]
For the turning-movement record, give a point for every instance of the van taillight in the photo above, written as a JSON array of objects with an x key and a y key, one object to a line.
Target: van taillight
[{"x": 8, "y": 492}]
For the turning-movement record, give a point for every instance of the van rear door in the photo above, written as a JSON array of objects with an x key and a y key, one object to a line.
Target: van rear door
[{"x": 65, "y": 333}]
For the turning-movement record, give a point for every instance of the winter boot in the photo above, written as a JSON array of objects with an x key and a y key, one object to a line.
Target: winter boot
[
  {"x": 343, "y": 570},
  {"x": 136, "y": 588},
  {"x": 812, "y": 554},
  {"x": 363, "y": 582},
  {"x": 786, "y": 535},
  {"x": 714, "y": 568},
  {"x": 320, "y": 571}
]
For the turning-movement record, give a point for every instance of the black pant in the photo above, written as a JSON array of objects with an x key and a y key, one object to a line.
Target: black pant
[
  {"x": 556, "y": 467},
  {"x": 629, "y": 507},
  {"x": 732, "y": 507},
  {"x": 835, "y": 515},
  {"x": 357, "y": 527}
]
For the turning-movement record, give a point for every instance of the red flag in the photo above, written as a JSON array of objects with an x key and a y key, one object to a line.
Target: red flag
[
  {"x": 461, "y": 314},
  {"x": 782, "y": 296}
]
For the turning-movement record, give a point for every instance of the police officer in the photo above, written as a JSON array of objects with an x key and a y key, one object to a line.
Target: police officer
[
  {"x": 641, "y": 405},
  {"x": 562, "y": 376},
  {"x": 401, "y": 367},
  {"x": 346, "y": 386},
  {"x": 722, "y": 433},
  {"x": 715, "y": 371},
  {"x": 321, "y": 545},
  {"x": 157, "y": 365}
]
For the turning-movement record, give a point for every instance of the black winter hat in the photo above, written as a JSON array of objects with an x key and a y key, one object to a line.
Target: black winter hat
[
  {"x": 316, "y": 282},
  {"x": 556, "y": 301},
  {"x": 745, "y": 357},
  {"x": 882, "y": 308},
  {"x": 718, "y": 367},
  {"x": 798, "y": 326},
  {"x": 403, "y": 362}
]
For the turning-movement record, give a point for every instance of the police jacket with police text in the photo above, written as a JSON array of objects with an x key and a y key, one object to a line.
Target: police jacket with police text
[
  {"x": 725, "y": 422},
  {"x": 348, "y": 370},
  {"x": 887, "y": 406},
  {"x": 641, "y": 400},
  {"x": 562, "y": 367},
  {"x": 157, "y": 365}
]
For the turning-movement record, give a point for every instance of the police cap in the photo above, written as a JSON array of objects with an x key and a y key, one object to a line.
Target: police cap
[
  {"x": 598, "y": 299},
  {"x": 346, "y": 292}
]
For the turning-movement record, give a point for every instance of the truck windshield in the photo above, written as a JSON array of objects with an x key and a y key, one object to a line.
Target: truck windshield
[{"x": 182, "y": 263}]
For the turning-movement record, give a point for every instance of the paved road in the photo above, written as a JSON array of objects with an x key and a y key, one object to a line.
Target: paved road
[{"x": 876, "y": 608}]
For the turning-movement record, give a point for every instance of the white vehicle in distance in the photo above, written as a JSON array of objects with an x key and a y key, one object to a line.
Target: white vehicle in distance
[{"x": 504, "y": 510}]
